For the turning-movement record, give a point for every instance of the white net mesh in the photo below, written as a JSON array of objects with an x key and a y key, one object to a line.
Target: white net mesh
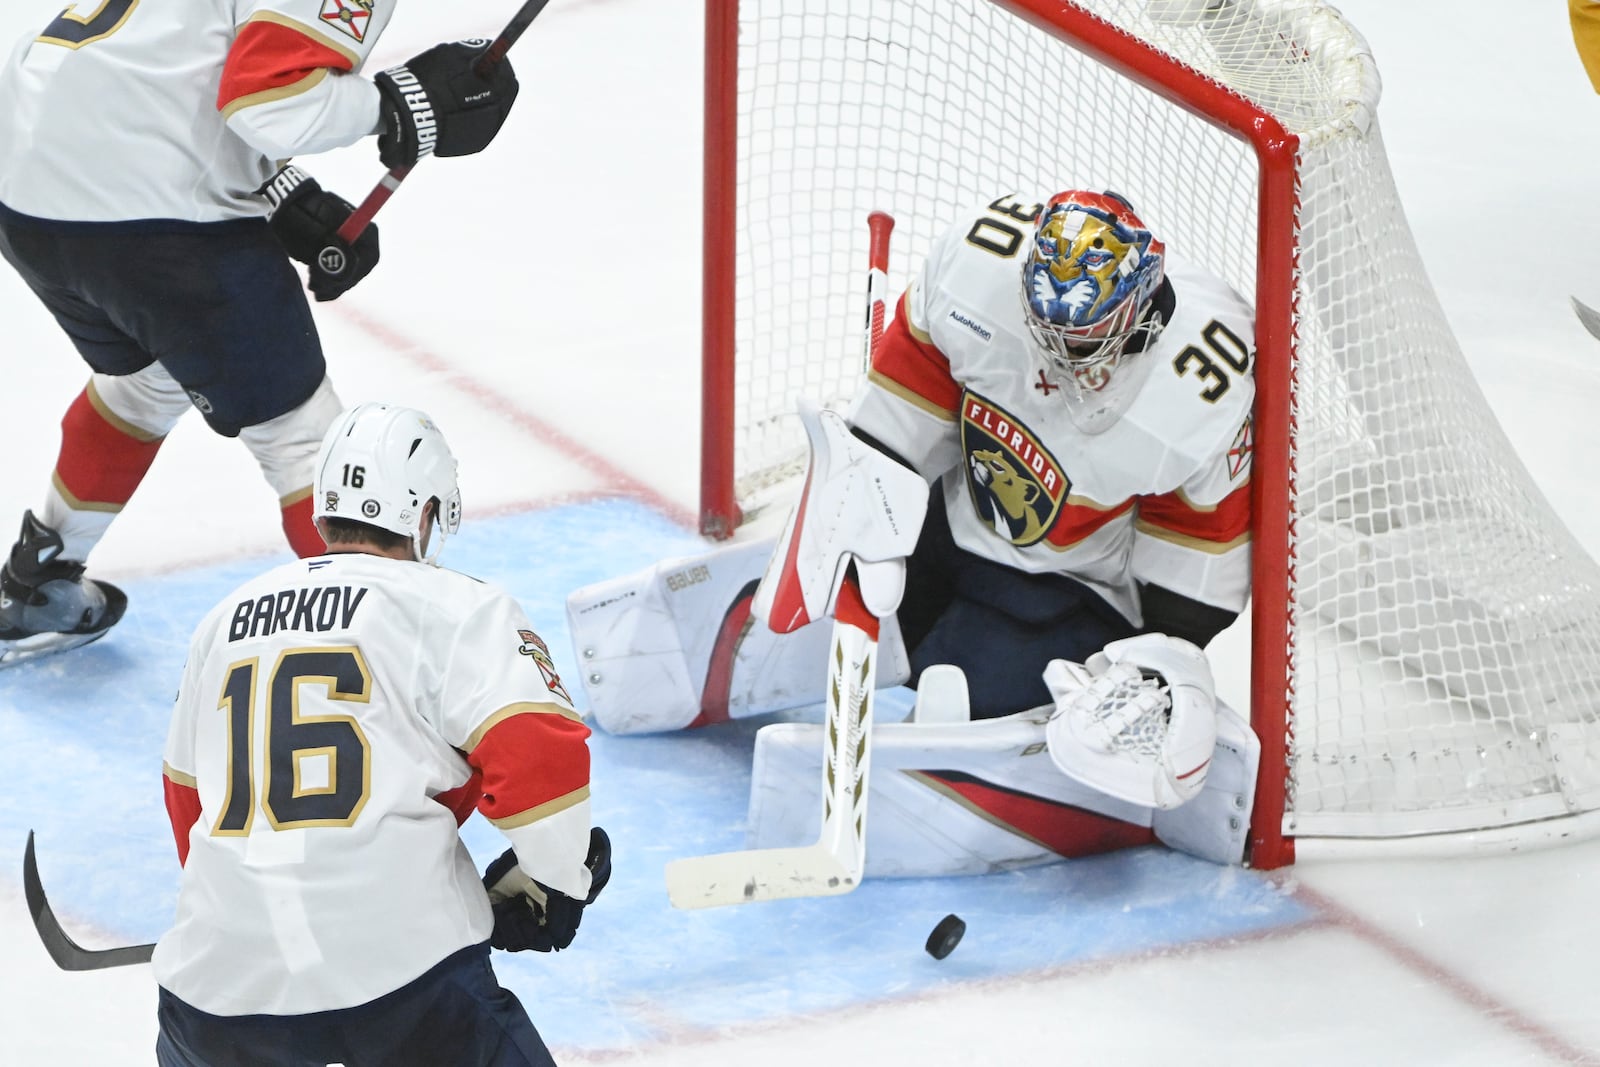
[{"x": 1444, "y": 628}]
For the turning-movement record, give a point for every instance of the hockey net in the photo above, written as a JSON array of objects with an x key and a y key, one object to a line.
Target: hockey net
[{"x": 1425, "y": 633}]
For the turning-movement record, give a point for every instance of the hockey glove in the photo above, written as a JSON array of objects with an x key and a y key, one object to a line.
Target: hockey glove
[
  {"x": 529, "y": 914},
  {"x": 437, "y": 104},
  {"x": 306, "y": 219}
]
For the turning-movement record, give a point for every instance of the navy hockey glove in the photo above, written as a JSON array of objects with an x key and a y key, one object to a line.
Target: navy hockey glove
[
  {"x": 436, "y": 104},
  {"x": 529, "y": 914},
  {"x": 306, "y": 219}
]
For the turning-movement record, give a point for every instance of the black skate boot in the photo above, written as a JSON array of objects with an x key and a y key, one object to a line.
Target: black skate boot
[{"x": 46, "y": 604}]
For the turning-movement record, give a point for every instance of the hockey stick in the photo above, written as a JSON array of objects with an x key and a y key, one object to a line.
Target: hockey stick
[
  {"x": 834, "y": 864},
  {"x": 1587, "y": 315},
  {"x": 67, "y": 953},
  {"x": 363, "y": 215}
]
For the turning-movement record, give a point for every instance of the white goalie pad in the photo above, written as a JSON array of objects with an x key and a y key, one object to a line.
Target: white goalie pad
[
  {"x": 1138, "y": 721},
  {"x": 857, "y": 504},
  {"x": 675, "y": 645},
  {"x": 957, "y": 798}
]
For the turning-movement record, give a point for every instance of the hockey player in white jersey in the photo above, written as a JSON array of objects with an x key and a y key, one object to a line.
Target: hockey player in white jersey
[
  {"x": 141, "y": 149},
  {"x": 1082, "y": 397},
  {"x": 337, "y": 718},
  {"x": 1070, "y": 404}
]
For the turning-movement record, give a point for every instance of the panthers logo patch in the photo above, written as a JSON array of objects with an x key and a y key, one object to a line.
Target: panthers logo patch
[
  {"x": 1016, "y": 486},
  {"x": 349, "y": 17},
  {"x": 534, "y": 648}
]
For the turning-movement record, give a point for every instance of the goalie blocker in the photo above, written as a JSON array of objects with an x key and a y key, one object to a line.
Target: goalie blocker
[{"x": 684, "y": 645}]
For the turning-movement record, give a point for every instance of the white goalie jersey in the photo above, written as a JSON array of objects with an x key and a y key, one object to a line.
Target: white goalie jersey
[
  {"x": 179, "y": 109},
  {"x": 1151, "y": 487},
  {"x": 337, "y": 717}
]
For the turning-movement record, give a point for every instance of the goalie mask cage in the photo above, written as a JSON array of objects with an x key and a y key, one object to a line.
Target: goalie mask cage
[{"x": 1425, "y": 633}]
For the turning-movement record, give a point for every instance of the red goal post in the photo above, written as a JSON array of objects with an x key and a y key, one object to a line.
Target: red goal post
[{"x": 1425, "y": 635}]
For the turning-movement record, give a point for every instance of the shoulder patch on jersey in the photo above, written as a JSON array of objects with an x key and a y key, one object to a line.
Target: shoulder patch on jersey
[
  {"x": 1015, "y": 484},
  {"x": 1244, "y": 445},
  {"x": 349, "y": 17},
  {"x": 533, "y": 647}
]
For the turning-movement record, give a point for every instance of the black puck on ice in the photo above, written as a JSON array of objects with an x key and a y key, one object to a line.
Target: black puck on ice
[{"x": 945, "y": 937}]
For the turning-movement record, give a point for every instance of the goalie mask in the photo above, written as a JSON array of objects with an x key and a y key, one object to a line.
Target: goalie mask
[
  {"x": 380, "y": 465},
  {"x": 1086, "y": 291}
]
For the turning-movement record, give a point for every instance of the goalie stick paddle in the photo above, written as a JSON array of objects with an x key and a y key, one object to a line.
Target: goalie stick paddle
[
  {"x": 834, "y": 864},
  {"x": 362, "y": 217},
  {"x": 67, "y": 953}
]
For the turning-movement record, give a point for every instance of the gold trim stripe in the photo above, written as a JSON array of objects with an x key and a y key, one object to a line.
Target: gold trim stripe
[
  {"x": 950, "y": 794},
  {"x": 1198, "y": 544},
  {"x": 117, "y": 422},
  {"x": 283, "y": 92},
  {"x": 79, "y": 505},
  {"x": 85, "y": 20},
  {"x": 889, "y": 385},
  {"x": 526, "y": 707},
  {"x": 177, "y": 776},
  {"x": 543, "y": 811}
]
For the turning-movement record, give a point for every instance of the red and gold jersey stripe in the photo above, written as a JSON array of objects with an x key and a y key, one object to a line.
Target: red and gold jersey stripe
[
  {"x": 907, "y": 364},
  {"x": 1080, "y": 518},
  {"x": 272, "y": 57},
  {"x": 1209, "y": 528},
  {"x": 183, "y": 806},
  {"x": 534, "y": 759}
]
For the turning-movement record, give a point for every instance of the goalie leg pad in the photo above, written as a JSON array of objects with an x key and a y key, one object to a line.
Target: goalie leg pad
[
  {"x": 1215, "y": 824},
  {"x": 1138, "y": 721},
  {"x": 981, "y": 796},
  {"x": 945, "y": 798},
  {"x": 675, "y": 646}
]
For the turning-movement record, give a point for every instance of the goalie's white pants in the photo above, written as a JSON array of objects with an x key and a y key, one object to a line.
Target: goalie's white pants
[{"x": 950, "y": 798}]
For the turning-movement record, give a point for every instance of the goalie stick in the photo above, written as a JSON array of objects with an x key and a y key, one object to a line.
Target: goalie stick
[
  {"x": 67, "y": 953},
  {"x": 834, "y": 864},
  {"x": 363, "y": 215}
]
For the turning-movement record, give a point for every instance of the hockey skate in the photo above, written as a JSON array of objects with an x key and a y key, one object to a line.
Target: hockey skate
[{"x": 46, "y": 604}]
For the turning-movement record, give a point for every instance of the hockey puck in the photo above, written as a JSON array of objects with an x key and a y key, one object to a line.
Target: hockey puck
[{"x": 945, "y": 937}]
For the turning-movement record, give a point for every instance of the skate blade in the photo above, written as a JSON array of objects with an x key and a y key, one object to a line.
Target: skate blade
[{"x": 36, "y": 646}]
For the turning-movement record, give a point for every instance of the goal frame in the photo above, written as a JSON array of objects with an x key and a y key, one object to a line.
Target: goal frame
[{"x": 1276, "y": 151}]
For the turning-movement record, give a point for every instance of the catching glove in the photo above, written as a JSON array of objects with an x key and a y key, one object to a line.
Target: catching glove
[
  {"x": 1137, "y": 722},
  {"x": 436, "y": 104},
  {"x": 306, "y": 219},
  {"x": 529, "y": 914}
]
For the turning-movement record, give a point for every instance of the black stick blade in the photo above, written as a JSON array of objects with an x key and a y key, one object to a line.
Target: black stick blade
[{"x": 67, "y": 953}]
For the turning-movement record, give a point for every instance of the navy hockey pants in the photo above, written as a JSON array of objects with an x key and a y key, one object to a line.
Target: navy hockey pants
[
  {"x": 218, "y": 304},
  {"x": 456, "y": 1014},
  {"x": 999, "y": 625}
]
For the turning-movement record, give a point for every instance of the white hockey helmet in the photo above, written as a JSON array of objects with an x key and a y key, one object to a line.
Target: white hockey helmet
[{"x": 380, "y": 464}]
